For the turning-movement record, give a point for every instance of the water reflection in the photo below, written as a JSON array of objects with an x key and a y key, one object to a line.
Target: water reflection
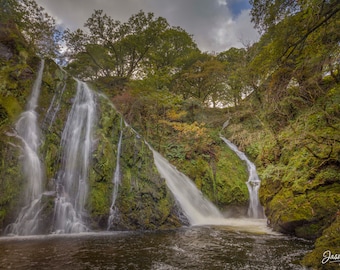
[{"x": 209, "y": 247}]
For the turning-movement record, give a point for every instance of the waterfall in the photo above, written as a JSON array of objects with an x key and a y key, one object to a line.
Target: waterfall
[
  {"x": 76, "y": 144},
  {"x": 255, "y": 209},
  {"x": 28, "y": 132},
  {"x": 116, "y": 179},
  {"x": 196, "y": 207}
]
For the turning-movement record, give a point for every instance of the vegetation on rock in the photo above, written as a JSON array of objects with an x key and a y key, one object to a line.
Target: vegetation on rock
[{"x": 281, "y": 94}]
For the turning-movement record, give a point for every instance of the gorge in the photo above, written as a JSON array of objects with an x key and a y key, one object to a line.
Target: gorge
[
  {"x": 74, "y": 157},
  {"x": 67, "y": 177},
  {"x": 120, "y": 153}
]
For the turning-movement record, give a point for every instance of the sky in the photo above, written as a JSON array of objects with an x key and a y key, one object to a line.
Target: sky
[{"x": 216, "y": 25}]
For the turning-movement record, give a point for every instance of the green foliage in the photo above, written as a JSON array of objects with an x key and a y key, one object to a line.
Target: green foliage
[
  {"x": 235, "y": 66},
  {"x": 144, "y": 200},
  {"x": 287, "y": 67},
  {"x": 162, "y": 84},
  {"x": 289, "y": 124},
  {"x": 123, "y": 50},
  {"x": 298, "y": 164},
  {"x": 17, "y": 72},
  {"x": 11, "y": 106},
  {"x": 329, "y": 240},
  {"x": 230, "y": 177},
  {"x": 38, "y": 28},
  {"x": 202, "y": 78},
  {"x": 11, "y": 182}
]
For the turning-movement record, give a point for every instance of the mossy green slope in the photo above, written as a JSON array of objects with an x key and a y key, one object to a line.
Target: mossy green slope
[
  {"x": 16, "y": 75},
  {"x": 299, "y": 165},
  {"x": 144, "y": 202}
]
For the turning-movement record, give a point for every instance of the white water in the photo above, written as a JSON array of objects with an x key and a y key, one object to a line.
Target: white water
[
  {"x": 116, "y": 179},
  {"x": 196, "y": 207},
  {"x": 255, "y": 209},
  {"x": 72, "y": 186},
  {"x": 28, "y": 132}
]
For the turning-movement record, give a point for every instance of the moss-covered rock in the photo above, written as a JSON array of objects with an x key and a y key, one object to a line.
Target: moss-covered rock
[
  {"x": 144, "y": 201},
  {"x": 11, "y": 180},
  {"x": 299, "y": 167},
  {"x": 327, "y": 244},
  {"x": 17, "y": 74}
]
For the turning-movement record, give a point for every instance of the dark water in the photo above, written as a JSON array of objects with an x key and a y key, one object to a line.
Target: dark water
[{"x": 208, "y": 247}]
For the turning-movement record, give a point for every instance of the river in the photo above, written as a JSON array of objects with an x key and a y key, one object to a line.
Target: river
[{"x": 196, "y": 247}]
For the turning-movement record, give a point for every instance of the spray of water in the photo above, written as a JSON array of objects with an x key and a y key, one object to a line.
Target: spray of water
[
  {"x": 196, "y": 207},
  {"x": 72, "y": 186},
  {"x": 255, "y": 210},
  {"x": 28, "y": 132},
  {"x": 116, "y": 179}
]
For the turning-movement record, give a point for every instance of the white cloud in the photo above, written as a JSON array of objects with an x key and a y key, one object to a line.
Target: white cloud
[{"x": 237, "y": 32}]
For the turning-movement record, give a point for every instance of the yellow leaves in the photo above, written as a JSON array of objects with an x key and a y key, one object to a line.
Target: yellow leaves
[
  {"x": 195, "y": 131},
  {"x": 173, "y": 115}
]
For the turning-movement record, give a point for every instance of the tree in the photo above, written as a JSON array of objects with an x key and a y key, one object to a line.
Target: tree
[
  {"x": 203, "y": 78},
  {"x": 174, "y": 45},
  {"x": 127, "y": 48},
  {"x": 235, "y": 62},
  {"x": 38, "y": 28},
  {"x": 300, "y": 43},
  {"x": 291, "y": 25}
]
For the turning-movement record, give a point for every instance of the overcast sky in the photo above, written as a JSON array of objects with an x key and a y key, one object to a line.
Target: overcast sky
[{"x": 216, "y": 25}]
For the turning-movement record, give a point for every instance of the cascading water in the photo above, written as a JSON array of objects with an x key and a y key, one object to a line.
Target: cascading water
[
  {"x": 116, "y": 179},
  {"x": 255, "y": 209},
  {"x": 72, "y": 186},
  {"x": 28, "y": 132},
  {"x": 196, "y": 207}
]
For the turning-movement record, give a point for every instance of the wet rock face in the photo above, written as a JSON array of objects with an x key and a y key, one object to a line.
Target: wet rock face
[
  {"x": 143, "y": 202},
  {"x": 143, "y": 199},
  {"x": 329, "y": 243},
  {"x": 5, "y": 53},
  {"x": 304, "y": 210}
]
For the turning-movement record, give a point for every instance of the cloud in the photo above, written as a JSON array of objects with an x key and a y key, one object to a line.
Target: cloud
[
  {"x": 237, "y": 32},
  {"x": 215, "y": 24}
]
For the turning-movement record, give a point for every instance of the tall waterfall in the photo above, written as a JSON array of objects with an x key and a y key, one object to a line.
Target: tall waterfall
[
  {"x": 28, "y": 132},
  {"x": 72, "y": 186},
  {"x": 255, "y": 209},
  {"x": 116, "y": 178},
  {"x": 196, "y": 207}
]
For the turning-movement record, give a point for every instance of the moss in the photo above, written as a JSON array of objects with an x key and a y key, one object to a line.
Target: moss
[
  {"x": 231, "y": 177},
  {"x": 144, "y": 200},
  {"x": 270, "y": 182},
  {"x": 222, "y": 180},
  {"x": 298, "y": 162},
  {"x": 103, "y": 164},
  {"x": 99, "y": 205},
  {"x": 12, "y": 106},
  {"x": 329, "y": 241},
  {"x": 11, "y": 181},
  {"x": 304, "y": 215},
  {"x": 325, "y": 200}
]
